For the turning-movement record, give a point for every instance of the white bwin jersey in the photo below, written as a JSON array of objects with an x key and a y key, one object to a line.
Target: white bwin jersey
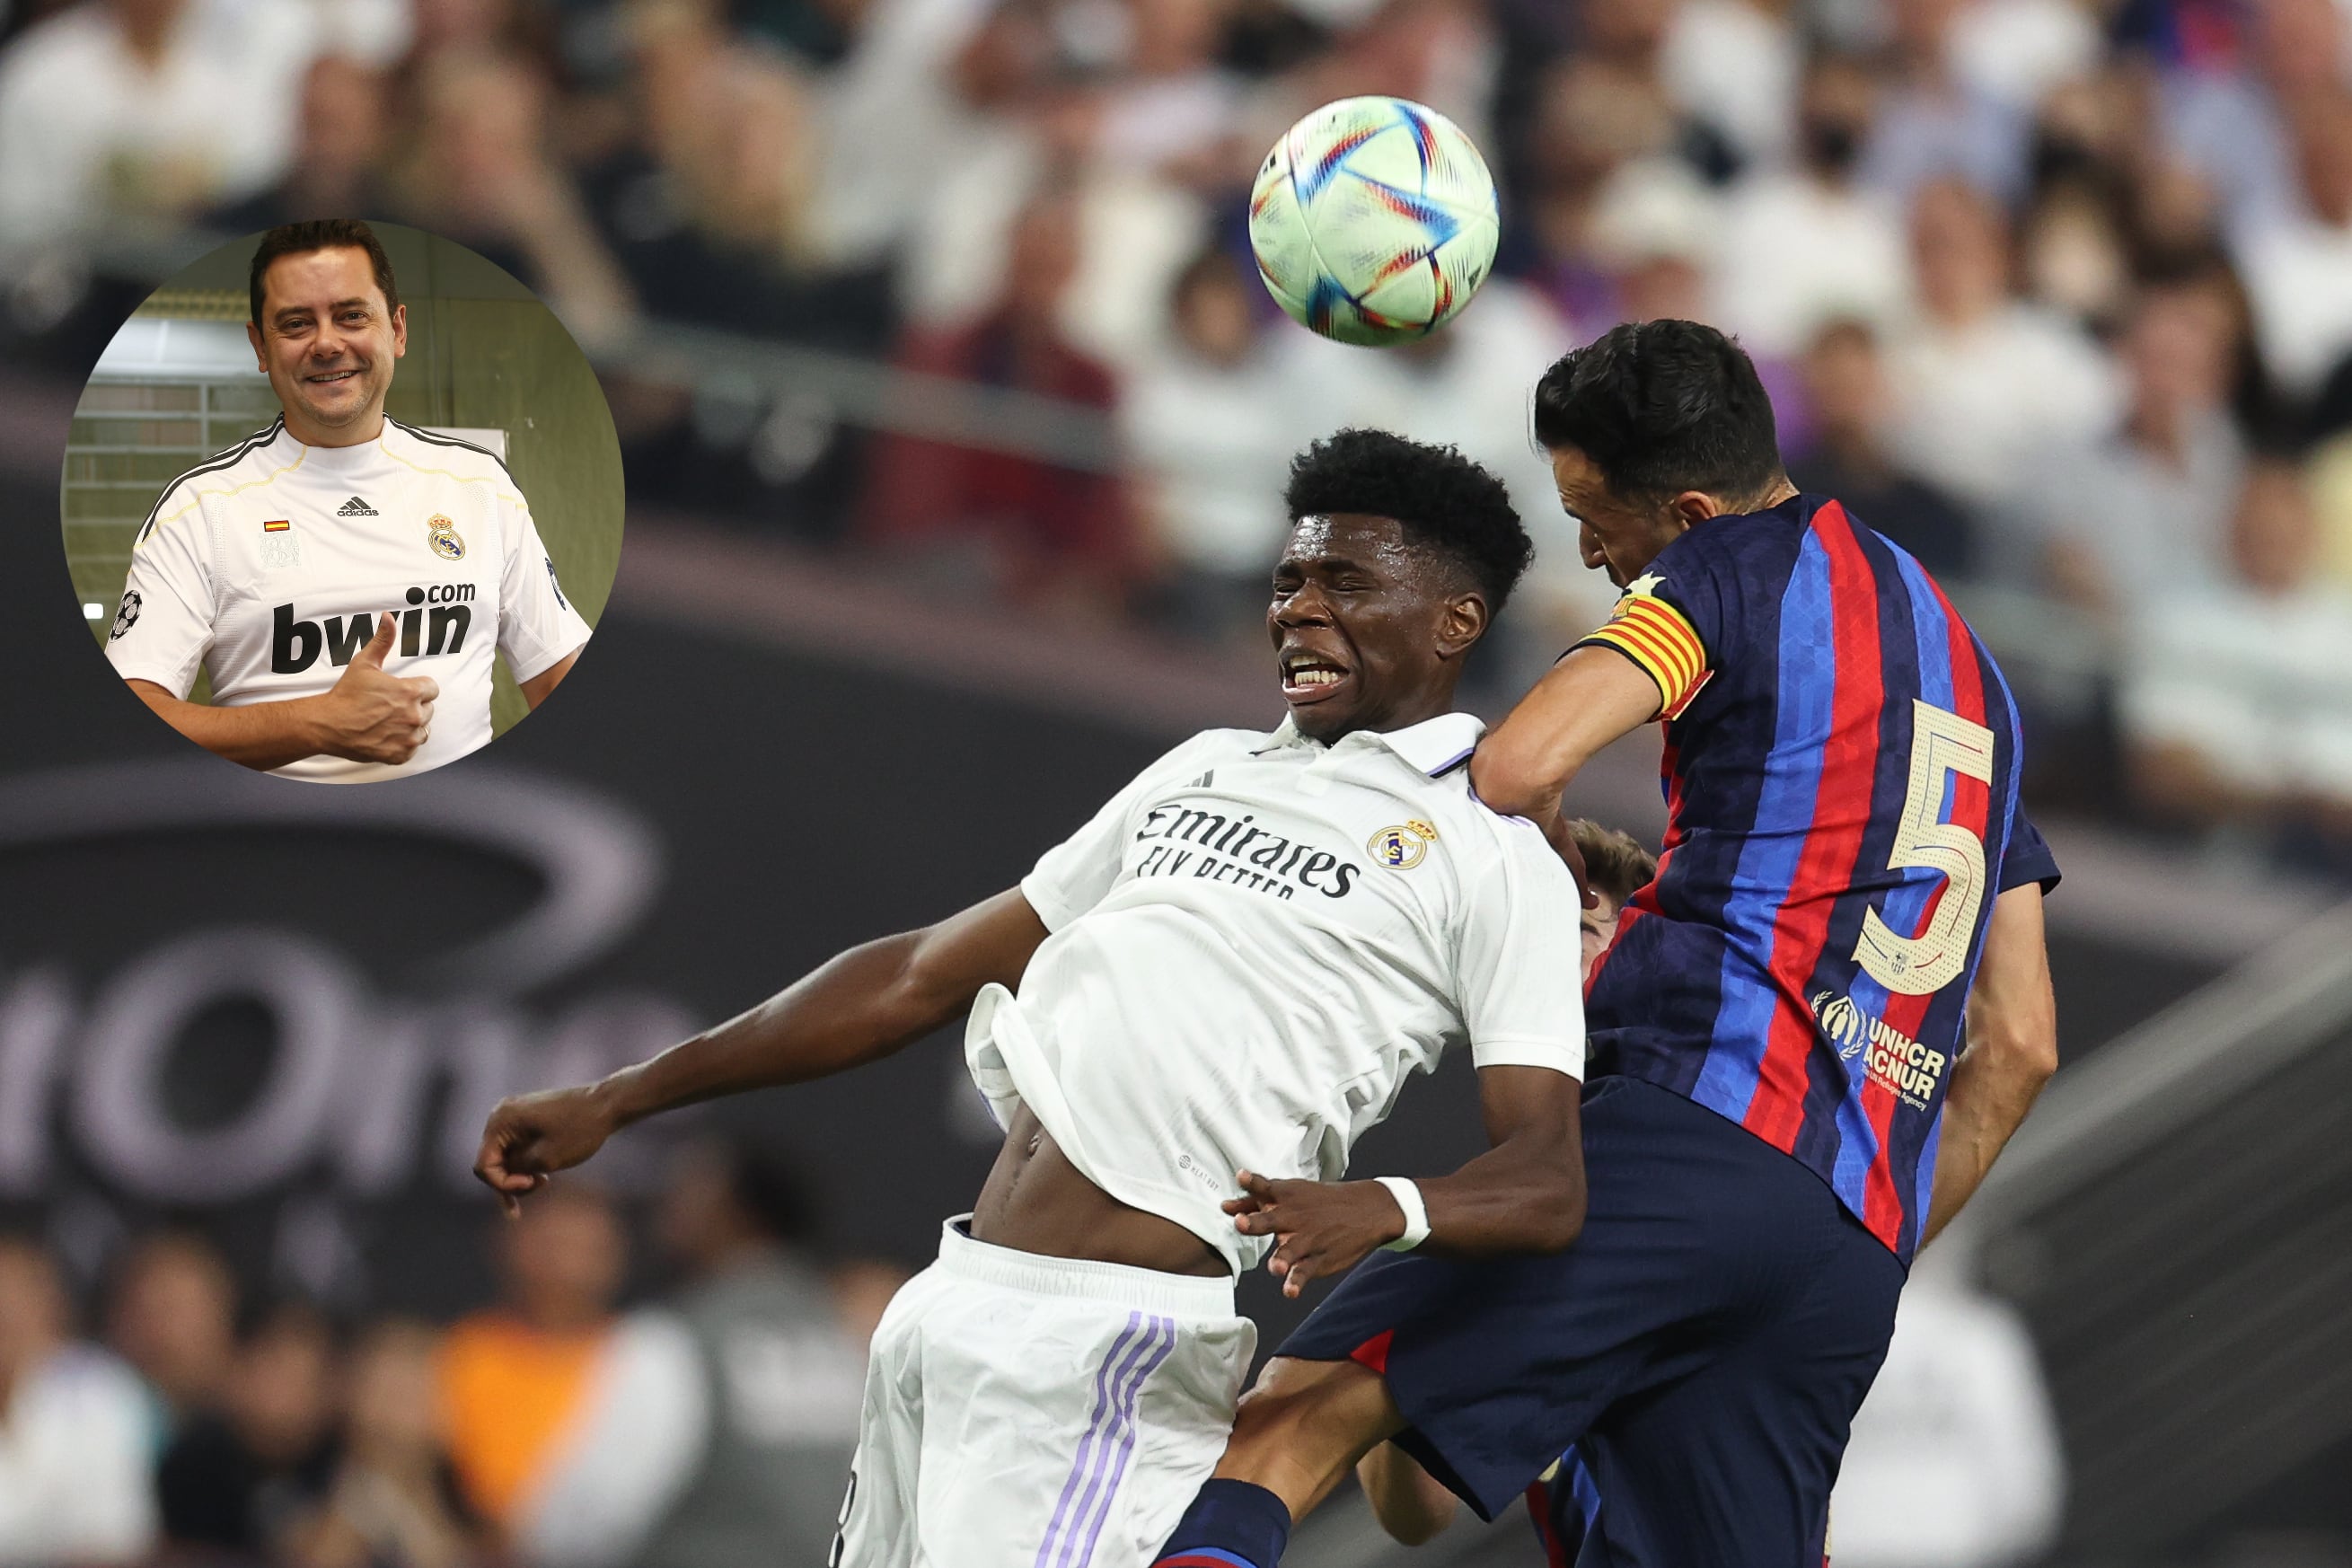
[
  {"x": 1256, "y": 941},
  {"x": 270, "y": 564}
]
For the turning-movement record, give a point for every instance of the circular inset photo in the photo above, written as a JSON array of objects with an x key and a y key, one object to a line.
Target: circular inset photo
[{"x": 343, "y": 501}]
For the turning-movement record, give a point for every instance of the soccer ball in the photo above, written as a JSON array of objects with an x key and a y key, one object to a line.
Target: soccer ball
[{"x": 1373, "y": 220}]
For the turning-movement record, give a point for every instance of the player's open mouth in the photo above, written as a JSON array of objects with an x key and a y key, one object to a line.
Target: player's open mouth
[
  {"x": 1310, "y": 678},
  {"x": 332, "y": 375}
]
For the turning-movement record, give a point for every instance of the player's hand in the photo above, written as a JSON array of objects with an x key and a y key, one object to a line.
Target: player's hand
[
  {"x": 1325, "y": 1228},
  {"x": 373, "y": 716},
  {"x": 530, "y": 1136}
]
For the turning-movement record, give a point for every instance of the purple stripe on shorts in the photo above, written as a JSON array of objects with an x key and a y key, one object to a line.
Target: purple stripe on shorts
[
  {"x": 1104, "y": 1433},
  {"x": 1103, "y": 1405},
  {"x": 1127, "y": 1436}
]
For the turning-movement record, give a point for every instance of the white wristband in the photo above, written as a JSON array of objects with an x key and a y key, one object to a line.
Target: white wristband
[{"x": 1416, "y": 1214}]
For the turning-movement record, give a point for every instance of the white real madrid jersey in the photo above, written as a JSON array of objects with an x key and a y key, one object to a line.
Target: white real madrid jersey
[
  {"x": 270, "y": 564},
  {"x": 1254, "y": 943}
]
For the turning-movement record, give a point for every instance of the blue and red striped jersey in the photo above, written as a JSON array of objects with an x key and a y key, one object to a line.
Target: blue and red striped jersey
[{"x": 1840, "y": 772}]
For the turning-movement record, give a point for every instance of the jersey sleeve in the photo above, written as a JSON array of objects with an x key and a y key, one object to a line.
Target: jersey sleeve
[
  {"x": 1518, "y": 960},
  {"x": 536, "y": 625},
  {"x": 163, "y": 625},
  {"x": 1073, "y": 876},
  {"x": 2028, "y": 858},
  {"x": 1678, "y": 620}
]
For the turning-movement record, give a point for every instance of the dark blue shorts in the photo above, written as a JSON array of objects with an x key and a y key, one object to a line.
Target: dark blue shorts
[{"x": 1704, "y": 1344}]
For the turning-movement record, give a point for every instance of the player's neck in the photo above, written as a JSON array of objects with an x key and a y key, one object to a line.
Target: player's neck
[{"x": 358, "y": 433}]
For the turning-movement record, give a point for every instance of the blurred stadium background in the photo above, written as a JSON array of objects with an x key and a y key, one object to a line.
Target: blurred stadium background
[{"x": 954, "y": 425}]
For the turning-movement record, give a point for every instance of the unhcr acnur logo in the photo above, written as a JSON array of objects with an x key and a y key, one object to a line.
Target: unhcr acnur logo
[{"x": 1841, "y": 1021}]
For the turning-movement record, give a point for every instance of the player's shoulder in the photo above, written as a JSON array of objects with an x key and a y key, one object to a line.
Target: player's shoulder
[
  {"x": 1500, "y": 835},
  {"x": 450, "y": 454},
  {"x": 1731, "y": 559},
  {"x": 227, "y": 470},
  {"x": 1497, "y": 858},
  {"x": 1439, "y": 752},
  {"x": 1765, "y": 539}
]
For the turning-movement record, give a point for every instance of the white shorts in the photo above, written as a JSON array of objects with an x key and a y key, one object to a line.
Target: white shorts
[{"x": 1030, "y": 1412}]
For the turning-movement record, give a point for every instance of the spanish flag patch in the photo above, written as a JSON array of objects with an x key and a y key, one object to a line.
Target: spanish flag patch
[
  {"x": 1656, "y": 636},
  {"x": 277, "y": 525}
]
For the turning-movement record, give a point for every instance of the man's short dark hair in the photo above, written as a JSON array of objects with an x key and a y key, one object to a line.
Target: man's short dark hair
[
  {"x": 1662, "y": 408},
  {"x": 1440, "y": 499},
  {"x": 322, "y": 234},
  {"x": 1615, "y": 864}
]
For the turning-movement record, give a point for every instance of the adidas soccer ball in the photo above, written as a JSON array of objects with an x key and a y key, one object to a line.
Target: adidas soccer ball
[{"x": 1373, "y": 220}]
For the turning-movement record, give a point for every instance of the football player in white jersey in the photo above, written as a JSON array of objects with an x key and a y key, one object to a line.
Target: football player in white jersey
[
  {"x": 1222, "y": 979},
  {"x": 342, "y": 577}
]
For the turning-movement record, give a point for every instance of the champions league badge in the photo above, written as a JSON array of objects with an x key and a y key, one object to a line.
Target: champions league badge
[
  {"x": 1401, "y": 848},
  {"x": 441, "y": 534},
  {"x": 127, "y": 616}
]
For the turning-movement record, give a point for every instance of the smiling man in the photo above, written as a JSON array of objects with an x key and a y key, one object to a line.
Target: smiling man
[
  {"x": 1231, "y": 968},
  {"x": 344, "y": 578}
]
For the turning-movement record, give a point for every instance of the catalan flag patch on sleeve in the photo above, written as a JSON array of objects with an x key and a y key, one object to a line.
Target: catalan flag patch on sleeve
[
  {"x": 1658, "y": 637},
  {"x": 277, "y": 525}
]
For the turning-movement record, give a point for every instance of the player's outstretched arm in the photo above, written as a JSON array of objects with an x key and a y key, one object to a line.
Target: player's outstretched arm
[
  {"x": 1526, "y": 1194},
  {"x": 369, "y": 716},
  {"x": 1407, "y": 1500},
  {"x": 2013, "y": 1050},
  {"x": 862, "y": 1004},
  {"x": 1584, "y": 702}
]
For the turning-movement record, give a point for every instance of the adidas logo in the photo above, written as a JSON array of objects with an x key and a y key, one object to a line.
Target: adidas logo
[{"x": 355, "y": 508}]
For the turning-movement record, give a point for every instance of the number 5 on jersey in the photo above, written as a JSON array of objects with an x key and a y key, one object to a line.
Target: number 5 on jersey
[{"x": 1942, "y": 742}]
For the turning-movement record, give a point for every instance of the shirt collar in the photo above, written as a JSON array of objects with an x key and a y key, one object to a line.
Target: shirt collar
[{"x": 1433, "y": 746}]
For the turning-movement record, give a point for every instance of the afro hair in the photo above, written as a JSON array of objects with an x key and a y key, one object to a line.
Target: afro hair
[{"x": 1442, "y": 499}]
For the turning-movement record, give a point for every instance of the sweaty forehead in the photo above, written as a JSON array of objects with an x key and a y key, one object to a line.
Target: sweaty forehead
[{"x": 1357, "y": 537}]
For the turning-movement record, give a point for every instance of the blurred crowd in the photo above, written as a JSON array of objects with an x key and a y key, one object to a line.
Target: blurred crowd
[
  {"x": 710, "y": 1427},
  {"x": 2057, "y": 293}
]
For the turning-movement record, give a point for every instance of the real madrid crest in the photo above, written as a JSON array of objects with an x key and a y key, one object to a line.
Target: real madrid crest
[
  {"x": 441, "y": 534},
  {"x": 1400, "y": 849}
]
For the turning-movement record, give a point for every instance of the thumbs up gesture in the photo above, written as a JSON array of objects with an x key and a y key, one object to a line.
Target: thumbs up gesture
[{"x": 373, "y": 716}]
